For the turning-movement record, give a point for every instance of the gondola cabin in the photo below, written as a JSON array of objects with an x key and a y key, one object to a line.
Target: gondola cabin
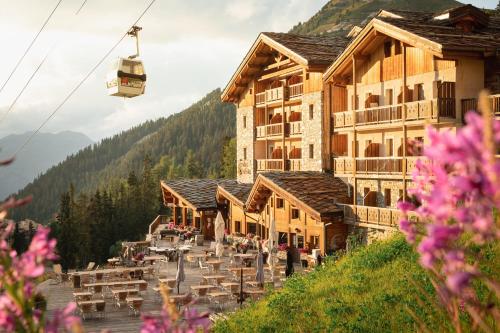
[{"x": 126, "y": 78}]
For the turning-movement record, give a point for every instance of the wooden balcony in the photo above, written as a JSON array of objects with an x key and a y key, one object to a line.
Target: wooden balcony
[
  {"x": 294, "y": 164},
  {"x": 379, "y": 165},
  {"x": 419, "y": 110},
  {"x": 470, "y": 104},
  {"x": 294, "y": 127},
  {"x": 265, "y": 131},
  {"x": 295, "y": 90},
  {"x": 343, "y": 165},
  {"x": 269, "y": 164},
  {"x": 278, "y": 94},
  {"x": 371, "y": 215}
]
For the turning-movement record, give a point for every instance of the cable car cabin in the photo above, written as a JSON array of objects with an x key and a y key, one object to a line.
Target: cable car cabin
[{"x": 126, "y": 78}]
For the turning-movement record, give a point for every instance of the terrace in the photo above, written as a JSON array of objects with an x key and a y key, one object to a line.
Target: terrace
[{"x": 112, "y": 297}]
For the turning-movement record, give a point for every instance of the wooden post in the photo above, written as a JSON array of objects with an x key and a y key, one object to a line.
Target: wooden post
[
  {"x": 404, "y": 121},
  {"x": 174, "y": 213},
  {"x": 283, "y": 122},
  {"x": 354, "y": 104},
  {"x": 184, "y": 216}
]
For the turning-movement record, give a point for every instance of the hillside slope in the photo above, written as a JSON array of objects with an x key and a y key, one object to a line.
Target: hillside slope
[
  {"x": 371, "y": 290},
  {"x": 201, "y": 128},
  {"x": 338, "y": 16},
  {"x": 46, "y": 151}
]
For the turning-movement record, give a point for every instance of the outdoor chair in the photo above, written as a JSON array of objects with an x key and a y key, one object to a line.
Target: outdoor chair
[
  {"x": 98, "y": 291},
  {"x": 121, "y": 297},
  {"x": 204, "y": 267},
  {"x": 143, "y": 287},
  {"x": 100, "y": 309},
  {"x": 135, "y": 307},
  {"x": 90, "y": 266},
  {"x": 60, "y": 276},
  {"x": 86, "y": 310}
]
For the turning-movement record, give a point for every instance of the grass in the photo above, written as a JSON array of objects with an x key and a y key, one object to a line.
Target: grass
[{"x": 371, "y": 290}]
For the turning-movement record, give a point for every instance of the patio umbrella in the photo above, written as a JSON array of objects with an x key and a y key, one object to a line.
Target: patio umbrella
[
  {"x": 271, "y": 243},
  {"x": 180, "y": 276},
  {"x": 219, "y": 235},
  {"x": 259, "y": 277}
]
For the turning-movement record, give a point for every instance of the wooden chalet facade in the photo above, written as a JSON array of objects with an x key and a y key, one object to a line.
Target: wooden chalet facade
[
  {"x": 278, "y": 91},
  {"x": 402, "y": 71}
]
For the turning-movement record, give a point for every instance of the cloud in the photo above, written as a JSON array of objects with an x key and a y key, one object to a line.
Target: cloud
[{"x": 188, "y": 47}]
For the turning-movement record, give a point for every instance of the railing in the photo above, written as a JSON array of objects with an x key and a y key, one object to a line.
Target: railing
[
  {"x": 275, "y": 94},
  {"x": 295, "y": 90},
  {"x": 260, "y": 131},
  {"x": 343, "y": 165},
  {"x": 470, "y": 104},
  {"x": 270, "y": 164},
  {"x": 379, "y": 114},
  {"x": 295, "y": 127},
  {"x": 260, "y": 98},
  {"x": 274, "y": 129},
  {"x": 372, "y": 215},
  {"x": 379, "y": 165},
  {"x": 418, "y": 110},
  {"x": 294, "y": 164},
  {"x": 160, "y": 219}
]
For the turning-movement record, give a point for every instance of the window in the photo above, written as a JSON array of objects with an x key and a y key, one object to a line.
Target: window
[
  {"x": 314, "y": 242},
  {"x": 389, "y": 97},
  {"x": 252, "y": 228},
  {"x": 295, "y": 213},
  {"x": 339, "y": 145},
  {"x": 397, "y": 47},
  {"x": 418, "y": 92},
  {"x": 244, "y": 121},
  {"x": 387, "y": 49},
  {"x": 300, "y": 242},
  {"x": 311, "y": 111},
  {"x": 387, "y": 197},
  {"x": 389, "y": 147},
  {"x": 244, "y": 153},
  {"x": 279, "y": 203},
  {"x": 311, "y": 151},
  {"x": 237, "y": 226}
]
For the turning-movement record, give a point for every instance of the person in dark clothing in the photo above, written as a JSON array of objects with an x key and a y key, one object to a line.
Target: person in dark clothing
[
  {"x": 319, "y": 260},
  {"x": 289, "y": 263}
]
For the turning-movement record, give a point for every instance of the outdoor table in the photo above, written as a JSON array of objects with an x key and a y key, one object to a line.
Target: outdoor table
[
  {"x": 158, "y": 289},
  {"x": 128, "y": 291},
  {"x": 219, "y": 294},
  {"x": 252, "y": 283},
  {"x": 169, "y": 238},
  {"x": 254, "y": 293},
  {"x": 216, "y": 277},
  {"x": 169, "y": 282},
  {"x": 228, "y": 285},
  {"x": 215, "y": 264},
  {"x": 94, "y": 301},
  {"x": 203, "y": 286},
  {"x": 130, "y": 299},
  {"x": 238, "y": 269},
  {"x": 244, "y": 255},
  {"x": 113, "y": 261},
  {"x": 108, "y": 271},
  {"x": 177, "y": 299},
  {"x": 84, "y": 295}
]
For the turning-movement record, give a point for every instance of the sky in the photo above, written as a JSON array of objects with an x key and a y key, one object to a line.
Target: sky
[{"x": 189, "y": 48}]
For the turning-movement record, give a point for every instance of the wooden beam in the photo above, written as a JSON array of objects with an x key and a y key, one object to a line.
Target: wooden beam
[
  {"x": 278, "y": 64},
  {"x": 282, "y": 72},
  {"x": 240, "y": 85}
]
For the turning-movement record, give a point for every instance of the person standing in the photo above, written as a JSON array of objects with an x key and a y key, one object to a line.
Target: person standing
[{"x": 289, "y": 262}]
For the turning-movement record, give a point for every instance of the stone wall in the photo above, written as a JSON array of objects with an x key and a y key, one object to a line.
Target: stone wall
[
  {"x": 378, "y": 185},
  {"x": 245, "y": 139},
  {"x": 311, "y": 131}
]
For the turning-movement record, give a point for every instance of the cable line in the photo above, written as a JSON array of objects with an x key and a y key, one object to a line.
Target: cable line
[
  {"x": 34, "y": 73},
  {"x": 29, "y": 46},
  {"x": 72, "y": 92}
]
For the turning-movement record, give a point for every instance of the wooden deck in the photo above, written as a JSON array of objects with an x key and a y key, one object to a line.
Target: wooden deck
[{"x": 119, "y": 319}]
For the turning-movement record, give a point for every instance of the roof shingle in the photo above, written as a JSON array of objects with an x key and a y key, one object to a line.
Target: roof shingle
[{"x": 200, "y": 193}]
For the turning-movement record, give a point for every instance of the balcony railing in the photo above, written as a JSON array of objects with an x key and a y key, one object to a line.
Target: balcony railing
[
  {"x": 274, "y": 129},
  {"x": 260, "y": 131},
  {"x": 160, "y": 219},
  {"x": 269, "y": 164},
  {"x": 373, "y": 215},
  {"x": 295, "y": 127},
  {"x": 470, "y": 104},
  {"x": 294, "y": 165},
  {"x": 418, "y": 110},
  {"x": 260, "y": 98},
  {"x": 275, "y": 94},
  {"x": 295, "y": 90},
  {"x": 379, "y": 165},
  {"x": 343, "y": 165},
  {"x": 380, "y": 114}
]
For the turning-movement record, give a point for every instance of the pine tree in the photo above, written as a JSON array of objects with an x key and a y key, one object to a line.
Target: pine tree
[
  {"x": 192, "y": 166},
  {"x": 19, "y": 240},
  {"x": 228, "y": 167}
]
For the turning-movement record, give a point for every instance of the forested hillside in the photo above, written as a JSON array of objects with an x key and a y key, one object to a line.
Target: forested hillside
[
  {"x": 194, "y": 137},
  {"x": 338, "y": 16}
]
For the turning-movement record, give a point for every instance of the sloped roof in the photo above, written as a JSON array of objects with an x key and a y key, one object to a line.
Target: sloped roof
[
  {"x": 316, "y": 192},
  {"x": 303, "y": 50},
  {"x": 444, "y": 32},
  {"x": 199, "y": 193},
  {"x": 317, "y": 50},
  {"x": 236, "y": 190}
]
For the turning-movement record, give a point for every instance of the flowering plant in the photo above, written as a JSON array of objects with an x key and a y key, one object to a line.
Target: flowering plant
[
  {"x": 456, "y": 194},
  {"x": 283, "y": 247},
  {"x": 188, "y": 235},
  {"x": 250, "y": 235},
  {"x": 18, "y": 274},
  {"x": 139, "y": 256}
]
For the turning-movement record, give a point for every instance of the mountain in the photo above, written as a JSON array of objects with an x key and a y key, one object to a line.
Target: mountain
[
  {"x": 196, "y": 134},
  {"x": 44, "y": 151},
  {"x": 339, "y": 16}
]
